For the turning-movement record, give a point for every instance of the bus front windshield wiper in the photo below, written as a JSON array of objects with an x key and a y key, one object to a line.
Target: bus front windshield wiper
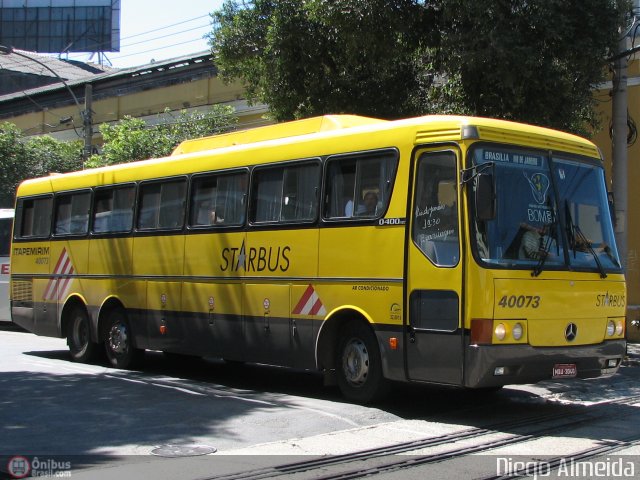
[
  {"x": 578, "y": 240},
  {"x": 545, "y": 248},
  {"x": 546, "y": 239}
]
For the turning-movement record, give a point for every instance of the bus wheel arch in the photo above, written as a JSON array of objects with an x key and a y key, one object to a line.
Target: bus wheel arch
[
  {"x": 326, "y": 342},
  {"x": 76, "y": 326},
  {"x": 348, "y": 346}
]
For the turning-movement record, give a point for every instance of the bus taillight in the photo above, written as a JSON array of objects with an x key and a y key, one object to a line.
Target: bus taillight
[{"x": 481, "y": 331}]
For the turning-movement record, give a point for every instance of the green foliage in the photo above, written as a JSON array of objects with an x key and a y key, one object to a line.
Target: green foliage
[
  {"x": 315, "y": 57},
  {"x": 529, "y": 60},
  {"x": 132, "y": 139},
  {"x": 126, "y": 141},
  {"x": 12, "y": 162},
  {"x": 22, "y": 158},
  {"x": 49, "y": 155}
]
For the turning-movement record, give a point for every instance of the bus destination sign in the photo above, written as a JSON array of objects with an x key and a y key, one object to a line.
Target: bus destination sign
[{"x": 503, "y": 156}]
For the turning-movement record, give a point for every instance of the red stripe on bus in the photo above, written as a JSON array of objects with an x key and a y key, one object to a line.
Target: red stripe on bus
[
  {"x": 63, "y": 255},
  {"x": 303, "y": 301},
  {"x": 316, "y": 307}
]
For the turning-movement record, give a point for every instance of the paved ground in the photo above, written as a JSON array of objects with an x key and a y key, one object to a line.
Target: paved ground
[{"x": 108, "y": 422}]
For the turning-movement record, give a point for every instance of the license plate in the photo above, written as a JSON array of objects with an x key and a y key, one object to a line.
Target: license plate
[{"x": 565, "y": 370}]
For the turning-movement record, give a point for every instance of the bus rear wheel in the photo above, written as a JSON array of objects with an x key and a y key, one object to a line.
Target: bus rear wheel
[
  {"x": 119, "y": 345},
  {"x": 81, "y": 347},
  {"x": 359, "y": 365}
]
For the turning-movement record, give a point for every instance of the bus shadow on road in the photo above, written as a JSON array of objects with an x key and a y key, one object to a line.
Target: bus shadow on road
[
  {"x": 281, "y": 386},
  {"x": 404, "y": 400}
]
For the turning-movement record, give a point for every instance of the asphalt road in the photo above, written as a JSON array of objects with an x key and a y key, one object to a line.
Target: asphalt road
[{"x": 97, "y": 422}]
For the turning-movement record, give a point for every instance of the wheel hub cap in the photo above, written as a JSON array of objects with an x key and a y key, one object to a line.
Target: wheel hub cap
[
  {"x": 118, "y": 339},
  {"x": 355, "y": 362}
]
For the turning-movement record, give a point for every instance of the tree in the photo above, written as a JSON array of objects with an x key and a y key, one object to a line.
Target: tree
[
  {"x": 22, "y": 158},
  {"x": 133, "y": 139},
  {"x": 529, "y": 60},
  {"x": 12, "y": 162},
  {"x": 49, "y": 155},
  {"x": 316, "y": 57}
]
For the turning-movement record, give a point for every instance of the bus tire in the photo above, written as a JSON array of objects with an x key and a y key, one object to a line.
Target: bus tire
[
  {"x": 81, "y": 348},
  {"x": 359, "y": 365},
  {"x": 119, "y": 346}
]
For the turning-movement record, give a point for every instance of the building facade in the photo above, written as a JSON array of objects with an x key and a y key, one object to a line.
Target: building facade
[{"x": 185, "y": 83}]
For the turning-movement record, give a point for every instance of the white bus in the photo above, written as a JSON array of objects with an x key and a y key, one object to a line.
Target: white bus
[{"x": 6, "y": 222}]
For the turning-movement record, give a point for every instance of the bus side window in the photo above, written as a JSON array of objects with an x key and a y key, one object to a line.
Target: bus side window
[
  {"x": 300, "y": 193},
  {"x": 359, "y": 186},
  {"x": 231, "y": 198},
  {"x": 266, "y": 195},
  {"x": 341, "y": 187},
  {"x": 33, "y": 217},
  {"x": 286, "y": 194},
  {"x": 113, "y": 209},
  {"x": 162, "y": 205},
  {"x": 218, "y": 199},
  {"x": 72, "y": 213},
  {"x": 435, "y": 212}
]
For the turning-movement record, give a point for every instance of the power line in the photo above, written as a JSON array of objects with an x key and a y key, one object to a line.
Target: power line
[
  {"x": 158, "y": 48},
  {"x": 164, "y": 28},
  {"x": 164, "y": 36},
  {"x": 97, "y": 45}
]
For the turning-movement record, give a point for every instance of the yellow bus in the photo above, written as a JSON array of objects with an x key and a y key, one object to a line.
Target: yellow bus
[{"x": 449, "y": 250}]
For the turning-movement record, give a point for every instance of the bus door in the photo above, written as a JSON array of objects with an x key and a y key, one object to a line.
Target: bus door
[{"x": 433, "y": 331}]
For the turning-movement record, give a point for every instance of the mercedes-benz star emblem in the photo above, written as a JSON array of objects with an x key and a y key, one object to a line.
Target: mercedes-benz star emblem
[{"x": 570, "y": 332}]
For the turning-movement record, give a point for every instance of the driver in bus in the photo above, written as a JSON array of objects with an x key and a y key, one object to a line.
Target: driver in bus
[{"x": 532, "y": 244}]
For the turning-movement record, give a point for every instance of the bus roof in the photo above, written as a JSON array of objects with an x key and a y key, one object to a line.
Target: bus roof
[
  {"x": 273, "y": 132},
  {"x": 193, "y": 156}
]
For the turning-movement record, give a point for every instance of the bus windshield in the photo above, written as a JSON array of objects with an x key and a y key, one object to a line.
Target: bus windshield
[{"x": 551, "y": 212}]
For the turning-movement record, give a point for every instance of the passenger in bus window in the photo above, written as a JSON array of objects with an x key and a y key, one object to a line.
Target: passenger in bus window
[
  {"x": 370, "y": 205},
  {"x": 215, "y": 218},
  {"x": 348, "y": 208}
]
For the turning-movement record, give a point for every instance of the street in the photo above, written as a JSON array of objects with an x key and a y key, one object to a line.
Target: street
[{"x": 193, "y": 418}]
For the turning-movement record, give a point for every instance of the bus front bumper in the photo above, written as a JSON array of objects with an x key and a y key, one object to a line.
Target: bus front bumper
[{"x": 497, "y": 365}]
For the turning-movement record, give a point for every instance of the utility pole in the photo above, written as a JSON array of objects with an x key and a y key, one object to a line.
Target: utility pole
[
  {"x": 87, "y": 123},
  {"x": 619, "y": 141}
]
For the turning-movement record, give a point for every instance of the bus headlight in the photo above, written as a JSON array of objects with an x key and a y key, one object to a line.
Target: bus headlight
[
  {"x": 611, "y": 328},
  {"x": 517, "y": 331},
  {"x": 619, "y": 327},
  {"x": 500, "y": 331}
]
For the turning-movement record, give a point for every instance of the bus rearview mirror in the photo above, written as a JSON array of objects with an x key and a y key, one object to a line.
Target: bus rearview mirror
[{"x": 485, "y": 197}]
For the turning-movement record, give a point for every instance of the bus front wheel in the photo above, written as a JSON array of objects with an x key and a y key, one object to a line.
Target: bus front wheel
[
  {"x": 81, "y": 347},
  {"x": 359, "y": 365},
  {"x": 118, "y": 342}
]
